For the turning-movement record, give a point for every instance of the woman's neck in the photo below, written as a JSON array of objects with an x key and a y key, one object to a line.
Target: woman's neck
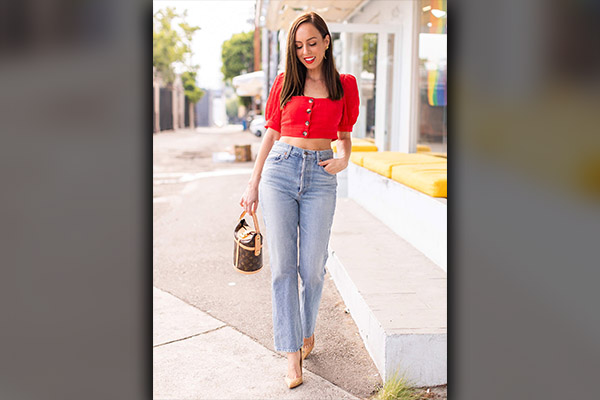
[{"x": 314, "y": 76}]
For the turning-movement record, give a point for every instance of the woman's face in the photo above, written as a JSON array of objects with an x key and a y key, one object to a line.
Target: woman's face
[{"x": 310, "y": 46}]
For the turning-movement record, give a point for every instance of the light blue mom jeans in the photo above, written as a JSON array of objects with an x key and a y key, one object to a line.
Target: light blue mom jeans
[{"x": 298, "y": 200}]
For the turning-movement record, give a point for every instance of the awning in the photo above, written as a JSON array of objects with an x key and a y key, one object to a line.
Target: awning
[
  {"x": 250, "y": 84},
  {"x": 279, "y": 14}
]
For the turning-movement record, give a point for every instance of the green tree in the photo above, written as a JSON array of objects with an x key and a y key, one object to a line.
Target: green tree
[
  {"x": 167, "y": 46},
  {"x": 231, "y": 108},
  {"x": 192, "y": 92},
  {"x": 237, "y": 55},
  {"x": 369, "y": 52},
  {"x": 172, "y": 44}
]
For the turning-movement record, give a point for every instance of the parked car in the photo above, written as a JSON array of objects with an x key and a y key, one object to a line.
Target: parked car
[{"x": 257, "y": 126}]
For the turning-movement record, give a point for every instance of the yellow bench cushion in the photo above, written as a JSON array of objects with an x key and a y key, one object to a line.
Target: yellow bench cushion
[
  {"x": 438, "y": 154},
  {"x": 357, "y": 156},
  {"x": 382, "y": 162},
  {"x": 431, "y": 179},
  {"x": 357, "y": 145},
  {"x": 423, "y": 148},
  {"x": 435, "y": 154}
]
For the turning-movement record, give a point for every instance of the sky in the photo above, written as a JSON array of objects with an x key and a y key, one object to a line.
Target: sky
[{"x": 218, "y": 20}]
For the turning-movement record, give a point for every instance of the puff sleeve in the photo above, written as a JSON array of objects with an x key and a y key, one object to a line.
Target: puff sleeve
[
  {"x": 351, "y": 103},
  {"x": 272, "y": 111}
]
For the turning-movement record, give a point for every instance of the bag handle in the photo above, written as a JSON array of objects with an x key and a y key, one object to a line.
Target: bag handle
[
  {"x": 257, "y": 243},
  {"x": 253, "y": 217}
]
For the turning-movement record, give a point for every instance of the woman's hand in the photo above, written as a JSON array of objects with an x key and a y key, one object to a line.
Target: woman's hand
[
  {"x": 334, "y": 165},
  {"x": 249, "y": 200}
]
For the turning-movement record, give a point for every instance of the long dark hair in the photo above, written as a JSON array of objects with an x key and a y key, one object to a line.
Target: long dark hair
[{"x": 295, "y": 71}]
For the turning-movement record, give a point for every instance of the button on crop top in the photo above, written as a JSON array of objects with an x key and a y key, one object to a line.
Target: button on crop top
[{"x": 311, "y": 117}]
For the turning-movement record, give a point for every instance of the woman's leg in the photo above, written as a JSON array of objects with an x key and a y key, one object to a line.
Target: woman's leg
[
  {"x": 317, "y": 207},
  {"x": 280, "y": 212}
]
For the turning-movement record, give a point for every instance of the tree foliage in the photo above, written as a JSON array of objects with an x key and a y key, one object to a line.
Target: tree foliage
[
  {"x": 172, "y": 44},
  {"x": 231, "y": 108},
  {"x": 167, "y": 46},
  {"x": 192, "y": 92},
  {"x": 237, "y": 55},
  {"x": 369, "y": 52}
]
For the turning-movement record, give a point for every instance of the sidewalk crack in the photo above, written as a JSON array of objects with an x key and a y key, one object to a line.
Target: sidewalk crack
[{"x": 189, "y": 337}]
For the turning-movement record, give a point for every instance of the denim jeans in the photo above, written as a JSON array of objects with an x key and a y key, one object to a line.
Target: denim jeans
[{"x": 298, "y": 200}]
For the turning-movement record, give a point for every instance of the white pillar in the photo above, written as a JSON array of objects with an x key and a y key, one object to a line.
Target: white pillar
[
  {"x": 344, "y": 62},
  {"x": 282, "y": 49},
  {"x": 274, "y": 56},
  {"x": 381, "y": 87},
  {"x": 265, "y": 66},
  {"x": 355, "y": 68},
  {"x": 405, "y": 122}
]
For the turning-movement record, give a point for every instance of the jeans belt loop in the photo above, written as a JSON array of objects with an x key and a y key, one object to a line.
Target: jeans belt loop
[{"x": 288, "y": 150}]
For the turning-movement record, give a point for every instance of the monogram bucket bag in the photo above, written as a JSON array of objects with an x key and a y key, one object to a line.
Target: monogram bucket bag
[{"x": 247, "y": 252}]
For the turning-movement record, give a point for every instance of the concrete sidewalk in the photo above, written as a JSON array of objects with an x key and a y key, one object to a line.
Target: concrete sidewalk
[
  {"x": 195, "y": 211},
  {"x": 199, "y": 357}
]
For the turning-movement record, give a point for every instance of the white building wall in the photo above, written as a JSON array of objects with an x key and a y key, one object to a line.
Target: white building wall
[
  {"x": 401, "y": 118},
  {"x": 403, "y": 109},
  {"x": 350, "y": 62}
]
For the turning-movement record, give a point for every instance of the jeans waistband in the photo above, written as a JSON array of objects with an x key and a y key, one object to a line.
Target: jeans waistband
[{"x": 288, "y": 150}]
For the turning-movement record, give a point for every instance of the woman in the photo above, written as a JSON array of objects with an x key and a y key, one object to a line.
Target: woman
[{"x": 309, "y": 106}]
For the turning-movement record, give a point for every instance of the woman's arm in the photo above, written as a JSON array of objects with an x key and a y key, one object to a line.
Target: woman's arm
[
  {"x": 344, "y": 148},
  {"x": 249, "y": 200},
  {"x": 267, "y": 143}
]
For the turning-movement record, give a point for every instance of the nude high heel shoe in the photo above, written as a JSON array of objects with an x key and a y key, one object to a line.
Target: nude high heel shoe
[
  {"x": 306, "y": 350},
  {"x": 292, "y": 383}
]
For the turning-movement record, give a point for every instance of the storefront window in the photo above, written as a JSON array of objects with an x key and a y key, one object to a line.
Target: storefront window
[
  {"x": 358, "y": 55},
  {"x": 369, "y": 68},
  {"x": 432, "y": 76}
]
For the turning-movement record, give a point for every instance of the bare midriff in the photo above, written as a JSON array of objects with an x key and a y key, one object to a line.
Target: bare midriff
[{"x": 306, "y": 143}]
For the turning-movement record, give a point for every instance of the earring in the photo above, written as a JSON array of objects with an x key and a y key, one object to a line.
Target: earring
[{"x": 325, "y": 55}]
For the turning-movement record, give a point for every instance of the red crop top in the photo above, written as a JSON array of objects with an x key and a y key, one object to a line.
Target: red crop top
[{"x": 310, "y": 117}]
